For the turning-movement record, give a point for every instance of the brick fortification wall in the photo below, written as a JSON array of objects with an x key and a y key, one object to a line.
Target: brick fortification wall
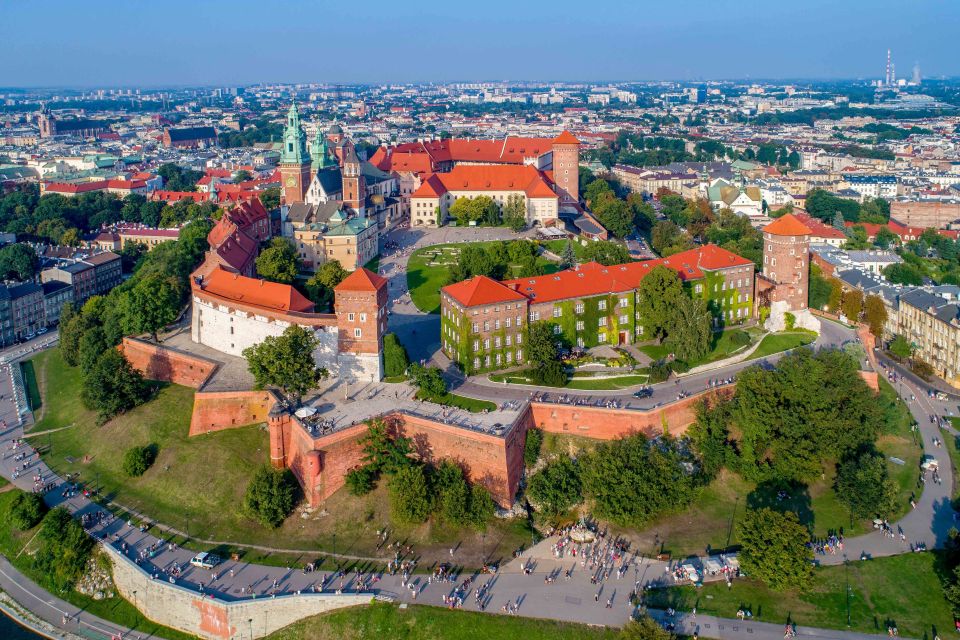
[
  {"x": 608, "y": 424},
  {"x": 321, "y": 464},
  {"x": 167, "y": 365},
  {"x": 219, "y": 410},
  {"x": 213, "y": 619}
]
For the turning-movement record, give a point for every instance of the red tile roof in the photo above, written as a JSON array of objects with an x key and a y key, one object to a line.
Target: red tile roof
[
  {"x": 566, "y": 138},
  {"x": 432, "y": 187},
  {"x": 818, "y": 229},
  {"x": 594, "y": 279},
  {"x": 787, "y": 225},
  {"x": 257, "y": 293},
  {"x": 481, "y": 290},
  {"x": 497, "y": 177},
  {"x": 362, "y": 280},
  {"x": 176, "y": 196}
]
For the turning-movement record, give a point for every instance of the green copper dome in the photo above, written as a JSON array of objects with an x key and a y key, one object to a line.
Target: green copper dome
[{"x": 294, "y": 139}]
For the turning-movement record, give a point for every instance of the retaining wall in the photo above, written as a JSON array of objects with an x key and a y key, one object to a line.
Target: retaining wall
[
  {"x": 213, "y": 619},
  {"x": 168, "y": 365},
  {"x": 219, "y": 410}
]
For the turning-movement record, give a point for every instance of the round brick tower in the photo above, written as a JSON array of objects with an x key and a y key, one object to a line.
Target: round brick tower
[{"x": 786, "y": 247}]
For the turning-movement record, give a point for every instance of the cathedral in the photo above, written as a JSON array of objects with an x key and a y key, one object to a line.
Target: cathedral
[{"x": 335, "y": 204}]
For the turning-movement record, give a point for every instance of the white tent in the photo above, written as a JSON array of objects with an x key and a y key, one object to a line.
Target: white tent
[{"x": 305, "y": 412}]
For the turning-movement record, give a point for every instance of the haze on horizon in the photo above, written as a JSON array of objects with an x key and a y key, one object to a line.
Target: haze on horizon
[{"x": 119, "y": 43}]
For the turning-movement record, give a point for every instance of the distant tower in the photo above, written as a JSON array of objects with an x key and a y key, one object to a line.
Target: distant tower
[
  {"x": 916, "y": 73},
  {"x": 360, "y": 302},
  {"x": 319, "y": 154},
  {"x": 887, "y": 80},
  {"x": 354, "y": 182},
  {"x": 893, "y": 73},
  {"x": 566, "y": 167},
  {"x": 294, "y": 159}
]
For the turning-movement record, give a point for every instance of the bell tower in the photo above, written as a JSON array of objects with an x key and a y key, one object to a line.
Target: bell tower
[
  {"x": 294, "y": 159},
  {"x": 354, "y": 182}
]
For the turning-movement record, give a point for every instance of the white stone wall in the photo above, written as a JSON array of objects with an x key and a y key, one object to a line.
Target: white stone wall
[
  {"x": 361, "y": 368},
  {"x": 217, "y": 327}
]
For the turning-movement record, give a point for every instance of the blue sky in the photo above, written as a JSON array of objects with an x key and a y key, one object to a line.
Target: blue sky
[{"x": 140, "y": 42}]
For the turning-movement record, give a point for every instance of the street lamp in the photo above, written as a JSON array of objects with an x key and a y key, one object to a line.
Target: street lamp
[
  {"x": 846, "y": 576},
  {"x": 250, "y": 622}
]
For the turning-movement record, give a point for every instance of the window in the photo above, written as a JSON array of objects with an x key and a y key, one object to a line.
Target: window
[
  {"x": 519, "y": 355},
  {"x": 698, "y": 288},
  {"x": 624, "y": 319},
  {"x": 499, "y": 359},
  {"x": 623, "y": 302},
  {"x": 350, "y": 317},
  {"x": 601, "y": 337},
  {"x": 579, "y": 307},
  {"x": 476, "y": 345},
  {"x": 579, "y": 325},
  {"x": 557, "y": 312},
  {"x": 509, "y": 340},
  {"x": 602, "y": 305},
  {"x": 496, "y": 324},
  {"x": 535, "y": 316},
  {"x": 476, "y": 363},
  {"x": 508, "y": 322},
  {"x": 357, "y": 332},
  {"x": 476, "y": 328},
  {"x": 486, "y": 343},
  {"x": 602, "y": 322},
  {"x": 509, "y": 357},
  {"x": 496, "y": 342},
  {"x": 487, "y": 361},
  {"x": 519, "y": 319},
  {"x": 486, "y": 325},
  {"x": 557, "y": 330},
  {"x": 363, "y": 317},
  {"x": 519, "y": 338}
]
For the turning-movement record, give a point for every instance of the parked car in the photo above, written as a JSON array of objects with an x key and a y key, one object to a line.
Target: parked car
[
  {"x": 205, "y": 560},
  {"x": 644, "y": 392}
]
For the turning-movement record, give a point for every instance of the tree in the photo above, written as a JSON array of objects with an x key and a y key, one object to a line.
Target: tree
[
  {"x": 775, "y": 549},
  {"x": 819, "y": 289},
  {"x": 617, "y": 217},
  {"x": 556, "y": 487},
  {"x": 361, "y": 480},
  {"x": 63, "y": 552},
  {"x": 26, "y": 510},
  {"x": 242, "y": 176},
  {"x": 395, "y": 359},
  {"x": 482, "y": 506},
  {"x": 137, "y": 460},
  {"x": 270, "y": 496},
  {"x": 852, "y": 304},
  {"x": 865, "y": 486},
  {"x": 569, "y": 257},
  {"x": 885, "y": 238},
  {"x": 320, "y": 286},
  {"x": 452, "y": 492},
  {"x": 92, "y": 343},
  {"x": 152, "y": 303},
  {"x": 409, "y": 495},
  {"x": 606, "y": 253},
  {"x": 18, "y": 262},
  {"x": 131, "y": 254},
  {"x": 632, "y": 480},
  {"x": 70, "y": 331},
  {"x": 384, "y": 450},
  {"x": 903, "y": 273},
  {"x": 270, "y": 198},
  {"x": 900, "y": 347},
  {"x": 279, "y": 262},
  {"x": 113, "y": 386},
  {"x": 429, "y": 380},
  {"x": 922, "y": 368},
  {"x": 286, "y": 361},
  {"x": 875, "y": 313},
  {"x": 658, "y": 297},
  {"x": 689, "y": 331},
  {"x": 515, "y": 212},
  {"x": 531, "y": 446},
  {"x": 644, "y": 628}
]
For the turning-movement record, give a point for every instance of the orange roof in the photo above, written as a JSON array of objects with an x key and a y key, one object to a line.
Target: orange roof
[
  {"x": 819, "y": 229},
  {"x": 497, "y": 177},
  {"x": 481, "y": 290},
  {"x": 362, "y": 280},
  {"x": 566, "y": 138},
  {"x": 787, "y": 225},
  {"x": 257, "y": 293}
]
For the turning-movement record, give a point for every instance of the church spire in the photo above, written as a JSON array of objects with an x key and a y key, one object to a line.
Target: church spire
[
  {"x": 294, "y": 139},
  {"x": 318, "y": 151}
]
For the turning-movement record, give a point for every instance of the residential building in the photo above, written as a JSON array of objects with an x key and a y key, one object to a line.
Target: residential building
[
  {"x": 55, "y": 295},
  {"x": 326, "y": 231},
  {"x": 932, "y": 325},
  {"x": 189, "y": 137},
  {"x": 88, "y": 276},
  {"x": 26, "y": 309}
]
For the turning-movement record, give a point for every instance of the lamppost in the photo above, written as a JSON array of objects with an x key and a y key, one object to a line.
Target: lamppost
[
  {"x": 846, "y": 576},
  {"x": 250, "y": 622}
]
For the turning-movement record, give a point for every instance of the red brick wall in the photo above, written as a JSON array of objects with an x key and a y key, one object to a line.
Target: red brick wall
[
  {"x": 219, "y": 410},
  {"x": 609, "y": 424},
  {"x": 168, "y": 365}
]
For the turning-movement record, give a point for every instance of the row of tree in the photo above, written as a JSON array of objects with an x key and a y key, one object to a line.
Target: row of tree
[{"x": 484, "y": 211}]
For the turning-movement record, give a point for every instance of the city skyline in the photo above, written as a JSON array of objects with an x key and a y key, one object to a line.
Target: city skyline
[{"x": 246, "y": 43}]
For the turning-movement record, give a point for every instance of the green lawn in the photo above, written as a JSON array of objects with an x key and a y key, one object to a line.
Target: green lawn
[
  {"x": 418, "y": 622},
  {"x": 902, "y": 590},
  {"x": 30, "y": 382},
  {"x": 724, "y": 345},
  {"x": 584, "y": 383},
  {"x": 197, "y": 484},
  {"x": 429, "y": 267},
  {"x": 777, "y": 342},
  {"x": 114, "y": 609},
  {"x": 461, "y": 402}
]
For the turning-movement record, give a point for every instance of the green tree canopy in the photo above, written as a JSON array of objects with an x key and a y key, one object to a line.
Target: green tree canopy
[
  {"x": 556, "y": 487},
  {"x": 279, "y": 262},
  {"x": 410, "y": 498},
  {"x": 320, "y": 286},
  {"x": 865, "y": 486},
  {"x": 395, "y": 359},
  {"x": 151, "y": 304},
  {"x": 775, "y": 549},
  {"x": 901, "y": 347},
  {"x": 18, "y": 262},
  {"x": 286, "y": 361},
  {"x": 113, "y": 386},
  {"x": 875, "y": 312},
  {"x": 270, "y": 496},
  {"x": 606, "y": 253},
  {"x": 689, "y": 332},
  {"x": 659, "y": 296}
]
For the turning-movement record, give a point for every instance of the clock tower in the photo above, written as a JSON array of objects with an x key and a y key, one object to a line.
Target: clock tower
[{"x": 294, "y": 159}]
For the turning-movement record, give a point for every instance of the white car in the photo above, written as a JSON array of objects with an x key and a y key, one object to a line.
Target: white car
[{"x": 205, "y": 560}]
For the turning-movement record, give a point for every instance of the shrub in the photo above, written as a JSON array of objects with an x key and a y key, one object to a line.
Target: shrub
[
  {"x": 395, "y": 359},
  {"x": 531, "y": 448},
  {"x": 556, "y": 487},
  {"x": 659, "y": 371},
  {"x": 270, "y": 496},
  {"x": 409, "y": 495},
  {"x": 740, "y": 338},
  {"x": 790, "y": 320},
  {"x": 63, "y": 552},
  {"x": 26, "y": 510},
  {"x": 361, "y": 480},
  {"x": 137, "y": 460}
]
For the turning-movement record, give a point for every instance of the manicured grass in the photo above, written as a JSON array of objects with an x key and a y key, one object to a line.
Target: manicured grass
[
  {"x": 606, "y": 384},
  {"x": 723, "y": 346},
  {"x": 777, "y": 342},
  {"x": 429, "y": 267},
  {"x": 460, "y": 402},
  {"x": 419, "y": 622},
  {"x": 197, "y": 484},
  {"x": 396, "y": 379},
  {"x": 30, "y": 382},
  {"x": 900, "y": 590},
  {"x": 116, "y": 609}
]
